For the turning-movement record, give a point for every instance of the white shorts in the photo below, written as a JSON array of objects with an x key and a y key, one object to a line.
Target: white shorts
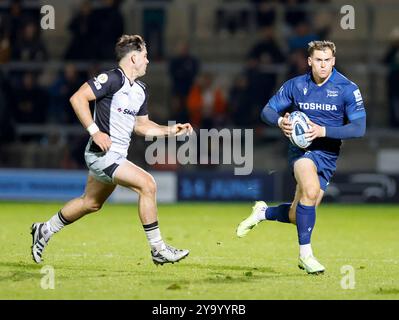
[{"x": 102, "y": 165}]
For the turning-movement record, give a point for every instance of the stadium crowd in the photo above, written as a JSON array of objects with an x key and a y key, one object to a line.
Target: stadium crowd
[{"x": 195, "y": 95}]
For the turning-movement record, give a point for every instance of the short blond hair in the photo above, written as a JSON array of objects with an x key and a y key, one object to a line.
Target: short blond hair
[{"x": 321, "y": 45}]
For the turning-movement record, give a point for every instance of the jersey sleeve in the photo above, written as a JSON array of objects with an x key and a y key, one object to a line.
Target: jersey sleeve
[
  {"x": 143, "y": 111},
  {"x": 283, "y": 99},
  {"x": 354, "y": 106},
  {"x": 106, "y": 83}
]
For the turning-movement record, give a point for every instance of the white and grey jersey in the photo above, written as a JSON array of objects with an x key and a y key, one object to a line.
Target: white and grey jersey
[{"x": 118, "y": 102}]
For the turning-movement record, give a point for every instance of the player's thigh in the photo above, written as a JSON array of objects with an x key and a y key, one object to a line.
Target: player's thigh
[
  {"x": 96, "y": 192},
  {"x": 133, "y": 177},
  {"x": 305, "y": 173}
]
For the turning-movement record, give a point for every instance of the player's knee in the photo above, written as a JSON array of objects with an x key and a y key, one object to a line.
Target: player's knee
[
  {"x": 311, "y": 194},
  {"x": 149, "y": 187}
]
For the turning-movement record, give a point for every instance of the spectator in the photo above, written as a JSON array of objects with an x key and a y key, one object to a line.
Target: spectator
[
  {"x": 107, "y": 34},
  {"x": 391, "y": 59},
  {"x": 154, "y": 27},
  {"x": 323, "y": 19},
  {"x": 295, "y": 13},
  {"x": 7, "y": 132},
  {"x": 63, "y": 88},
  {"x": 83, "y": 28},
  {"x": 206, "y": 103},
  {"x": 240, "y": 101},
  {"x": 298, "y": 63},
  {"x": 231, "y": 21},
  {"x": 30, "y": 101},
  {"x": 29, "y": 46},
  {"x": 301, "y": 37},
  {"x": 5, "y": 45},
  {"x": 265, "y": 11},
  {"x": 261, "y": 71},
  {"x": 266, "y": 50},
  {"x": 17, "y": 19},
  {"x": 183, "y": 69}
]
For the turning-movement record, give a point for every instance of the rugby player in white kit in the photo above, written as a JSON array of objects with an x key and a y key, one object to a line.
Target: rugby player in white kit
[{"x": 120, "y": 109}]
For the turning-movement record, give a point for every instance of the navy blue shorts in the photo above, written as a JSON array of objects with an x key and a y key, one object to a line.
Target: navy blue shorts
[{"x": 325, "y": 163}]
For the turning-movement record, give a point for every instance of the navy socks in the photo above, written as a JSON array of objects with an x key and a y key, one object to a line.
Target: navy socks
[
  {"x": 279, "y": 213},
  {"x": 305, "y": 221}
]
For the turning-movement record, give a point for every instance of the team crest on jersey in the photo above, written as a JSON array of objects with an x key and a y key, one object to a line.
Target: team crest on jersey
[
  {"x": 332, "y": 93},
  {"x": 102, "y": 78},
  {"x": 305, "y": 91}
]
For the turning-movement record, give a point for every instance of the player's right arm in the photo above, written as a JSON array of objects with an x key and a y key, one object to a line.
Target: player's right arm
[
  {"x": 80, "y": 104},
  {"x": 280, "y": 102}
]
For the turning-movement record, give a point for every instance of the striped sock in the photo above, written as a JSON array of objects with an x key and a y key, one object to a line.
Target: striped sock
[
  {"x": 154, "y": 236},
  {"x": 55, "y": 224}
]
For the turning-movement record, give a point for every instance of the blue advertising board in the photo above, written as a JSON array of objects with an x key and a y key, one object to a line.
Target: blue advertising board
[
  {"x": 41, "y": 184},
  {"x": 224, "y": 186}
]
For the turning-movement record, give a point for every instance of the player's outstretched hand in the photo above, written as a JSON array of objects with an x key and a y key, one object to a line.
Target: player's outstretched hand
[
  {"x": 315, "y": 131},
  {"x": 285, "y": 125},
  {"x": 102, "y": 140},
  {"x": 180, "y": 129}
]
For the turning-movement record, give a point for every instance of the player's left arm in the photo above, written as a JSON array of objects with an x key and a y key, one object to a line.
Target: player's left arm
[
  {"x": 146, "y": 127},
  {"x": 356, "y": 114}
]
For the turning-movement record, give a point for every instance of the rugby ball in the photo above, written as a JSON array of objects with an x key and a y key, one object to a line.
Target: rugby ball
[{"x": 299, "y": 122}]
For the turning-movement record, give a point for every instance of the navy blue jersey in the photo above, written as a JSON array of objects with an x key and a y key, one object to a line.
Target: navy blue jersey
[{"x": 332, "y": 104}]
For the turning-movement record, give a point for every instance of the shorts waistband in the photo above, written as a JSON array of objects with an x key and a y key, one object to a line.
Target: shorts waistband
[{"x": 94, "y": 148}]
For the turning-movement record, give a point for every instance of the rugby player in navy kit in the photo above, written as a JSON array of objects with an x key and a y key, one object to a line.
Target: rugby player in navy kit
[
  {"x": 335, "y": 108},
  {"x": 120, "y": 109}
]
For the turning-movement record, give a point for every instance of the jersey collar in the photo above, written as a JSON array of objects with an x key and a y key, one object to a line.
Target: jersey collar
[{"x": 123, "y": 72}]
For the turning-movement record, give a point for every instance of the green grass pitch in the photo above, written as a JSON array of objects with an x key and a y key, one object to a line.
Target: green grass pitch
[{"x": 105, "y": 255}]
